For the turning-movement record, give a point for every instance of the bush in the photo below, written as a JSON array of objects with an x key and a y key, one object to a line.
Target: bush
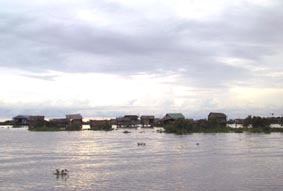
[
  {"x": 183, "y": 126},
  {"x": 257, "y": 122},
  {"x": 180, "y": 126},
  {"x": 103, "y": 126}
]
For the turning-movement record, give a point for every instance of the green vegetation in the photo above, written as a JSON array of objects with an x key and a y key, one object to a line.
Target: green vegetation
[
  {"x": 8, "y": 122},
  {"x": 102, "y": 127},
  {"x": 257, "y": 122},
  {"x": 43, "y": 125},
  {"x": 185, "y": 126},
  {"x": 251, "y": 124}
]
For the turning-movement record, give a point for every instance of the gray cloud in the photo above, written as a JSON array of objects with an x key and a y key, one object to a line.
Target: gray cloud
[
  {"x": 45, "y": 39},
  {"x": 48, "y": 35},
  {"x": 42, "y": 39}
]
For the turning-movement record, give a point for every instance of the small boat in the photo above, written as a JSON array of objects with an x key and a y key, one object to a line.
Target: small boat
[
  {"x": 141, "y": 144},
  {"x": 62, "y": 172}
]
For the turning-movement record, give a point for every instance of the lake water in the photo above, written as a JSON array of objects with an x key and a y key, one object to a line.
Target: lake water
[{"x": 113, "y": 161}]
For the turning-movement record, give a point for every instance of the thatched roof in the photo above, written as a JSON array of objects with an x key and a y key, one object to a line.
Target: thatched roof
[
  {"x": 29, "y": 117},
  {"x": 74, "y": 116},
  {"x": 216, "y": 115},
  {"x": 22, "y": 117},
  {"x": 58, "y": 120},
  {"x": 36, "y": 117},
  {"x": 147, "y": 117},
  {"x": 131, "y": 117}
]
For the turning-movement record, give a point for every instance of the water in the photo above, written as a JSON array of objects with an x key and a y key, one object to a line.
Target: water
[{"x": 113, "y": 161}]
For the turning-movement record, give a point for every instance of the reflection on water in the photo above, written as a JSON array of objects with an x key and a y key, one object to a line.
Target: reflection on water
[
  {"x": 113, "y": 161},
  {"x": 62, "y": 177}
]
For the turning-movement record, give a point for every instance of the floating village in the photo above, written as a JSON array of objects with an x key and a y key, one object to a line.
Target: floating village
[
  {"x": 171, "y": 122},
  {"x": 75, "y": 121}
]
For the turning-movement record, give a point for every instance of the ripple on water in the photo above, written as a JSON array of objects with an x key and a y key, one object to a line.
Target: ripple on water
[{"x": 113, "y": 161}]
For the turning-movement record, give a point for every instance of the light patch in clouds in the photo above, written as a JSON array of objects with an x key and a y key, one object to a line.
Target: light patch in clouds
[
  {"x": 260, "y": 100},
  {"x": 92, "y": 91}
]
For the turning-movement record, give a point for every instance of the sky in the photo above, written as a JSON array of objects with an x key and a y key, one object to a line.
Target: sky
[{"x": 108, "y": 58}]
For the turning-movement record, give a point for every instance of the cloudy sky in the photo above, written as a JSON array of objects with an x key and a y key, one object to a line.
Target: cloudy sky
[{"x": 107, "y": 58}]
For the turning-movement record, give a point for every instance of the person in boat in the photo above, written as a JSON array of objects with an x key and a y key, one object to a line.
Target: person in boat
[
  {"x": 57, "y": 172},
  {"x": 63, "y": 172}
]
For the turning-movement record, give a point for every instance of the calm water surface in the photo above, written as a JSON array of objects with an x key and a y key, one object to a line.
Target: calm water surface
[{"x": 113, "y": 161}]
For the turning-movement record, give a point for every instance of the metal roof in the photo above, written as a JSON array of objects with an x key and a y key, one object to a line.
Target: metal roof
[{"x": 175, "y": 115}]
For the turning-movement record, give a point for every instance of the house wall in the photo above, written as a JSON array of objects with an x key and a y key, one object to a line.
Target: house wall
[
  {"x": 75, "y": 124},
  {"x": 36, "y": 123},
  {"x": 20, "y": 121}
]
